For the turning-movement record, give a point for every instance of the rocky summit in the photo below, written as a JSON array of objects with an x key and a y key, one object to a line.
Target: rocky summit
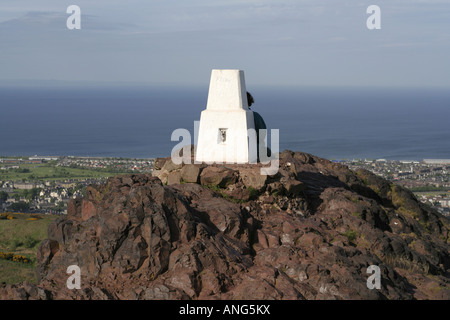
[{"x": 197, "y": 231}]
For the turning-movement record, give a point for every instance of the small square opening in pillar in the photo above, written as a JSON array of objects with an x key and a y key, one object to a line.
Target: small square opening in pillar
[{"x": 222, "y": 138}]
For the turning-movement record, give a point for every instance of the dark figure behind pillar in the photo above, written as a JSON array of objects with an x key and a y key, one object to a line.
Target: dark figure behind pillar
[{"x": 259, "y": 124}]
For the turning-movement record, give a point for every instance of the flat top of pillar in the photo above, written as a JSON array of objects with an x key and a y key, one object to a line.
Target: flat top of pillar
[
  {"x": 227, "y": 90},
  {"x": 227, "y": 70}
]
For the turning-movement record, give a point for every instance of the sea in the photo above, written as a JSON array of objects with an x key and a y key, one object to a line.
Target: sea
[{"x": 137, "y": 121}]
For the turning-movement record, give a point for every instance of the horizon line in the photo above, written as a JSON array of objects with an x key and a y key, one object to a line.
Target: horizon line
[{"x": 105, "y": 83}]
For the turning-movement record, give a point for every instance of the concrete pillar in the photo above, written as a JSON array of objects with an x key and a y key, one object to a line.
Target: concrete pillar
[{"x": 222, "y": 136}]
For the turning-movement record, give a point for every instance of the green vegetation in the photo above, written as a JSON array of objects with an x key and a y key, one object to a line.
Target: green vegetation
[
  {"x": 213, "y": 187},
  {"x": 22, "y": 236},
  {"x": 3, "y": 196},
  {"x": 14, "y": 257},
  {"x": 404, "y": 207},
  {"x": 48, "y": 172},
  {"x": 403, "y": 262},
  {"x": 14, "y": 272},
  {"x": 397, "y": 199},
  {"x": 19, "y": 206},
  {"x": 30, "y": 194},
  {"x": 357, "y": 214},
  {"x": 350, "y": 234},
  {"x": 362, "y": 176},
  {"x": 352, "y": 199},
  {"x": 220, "y": 191},
  {"x": 253, "y": 193},
  {"x": 429, "y": 189},
  {"x": 276, "y": 193}
]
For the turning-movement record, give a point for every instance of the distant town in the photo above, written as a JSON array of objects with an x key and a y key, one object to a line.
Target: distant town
[
  {"x": 429, "y": 179},
  {"x": 45, "y": 184}
]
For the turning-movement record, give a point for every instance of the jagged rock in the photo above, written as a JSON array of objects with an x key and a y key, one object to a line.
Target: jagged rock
[
  {"x": 218, "y": 176},
  {"x": 174, "y": 177},
  {"x": 170, "y": 166},
  {"x": 308, "y": 232},
  {"x": 252, "y": 178},
  {"x": 159, "y": 163},
  {"x": 294, "y": 188},
  {"x": 25, "y": 291},
  {"x": 191, "y": 173},
  {"x": 162, "y": 174}
]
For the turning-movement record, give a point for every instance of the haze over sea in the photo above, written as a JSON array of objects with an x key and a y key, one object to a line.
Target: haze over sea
[{"x": 137, "y": 121}]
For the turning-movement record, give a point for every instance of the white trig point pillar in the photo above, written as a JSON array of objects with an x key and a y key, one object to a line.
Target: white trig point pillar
[{"x": 222, "y": 136}]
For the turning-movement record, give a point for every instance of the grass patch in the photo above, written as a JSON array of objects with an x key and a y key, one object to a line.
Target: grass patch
[
  {"x": 22, "y": 237},
  {"x": 409, "y": 213},
  {"x": 365, "y": 181},
  {"x": 49, "y": 172},
  {"x": 397, "y": 199},
  {"x": 14, "y": 272},
  {"x": 212, "y": 187},
  {"x": 363, "y": 242},
  {"x": 277, "y": 193},
  {"x": 356, "y": 214},
  {"x": 363, "y": 178},
  {"x": 220, "y": 191},
  {"x": 253, "y": 193},
  {"x": 351, "y": 235},
  {"x": 352, "y": 199},
  {"x": 403, "y": 262}
]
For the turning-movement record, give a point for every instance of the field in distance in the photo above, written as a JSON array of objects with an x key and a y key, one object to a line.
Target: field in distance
[
  {"x": 49, "y": 171},
  {"x": 22, "y": 236}
]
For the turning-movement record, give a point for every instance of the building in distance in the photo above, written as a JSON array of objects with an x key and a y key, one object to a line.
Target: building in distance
[{"x": 436, "y": 161}]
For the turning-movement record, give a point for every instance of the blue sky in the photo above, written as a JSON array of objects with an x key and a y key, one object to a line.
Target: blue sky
[{"x": 276, "y": 43}]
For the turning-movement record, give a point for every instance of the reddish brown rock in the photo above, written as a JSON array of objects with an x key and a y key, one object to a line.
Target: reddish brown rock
[
  {"x": 174, "y": 177},
  {"x": 191, "y": 173},
  {"x": 169, "y": 166},
  {"x": 88, "y": 210},
  {"x": 309, "y": 232},
  {"x": 159, "y": 163},
  {"x": 162, "y": 175},
  {"x": 252, "y": 178},
  {"x": 218, "y": 176}
]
